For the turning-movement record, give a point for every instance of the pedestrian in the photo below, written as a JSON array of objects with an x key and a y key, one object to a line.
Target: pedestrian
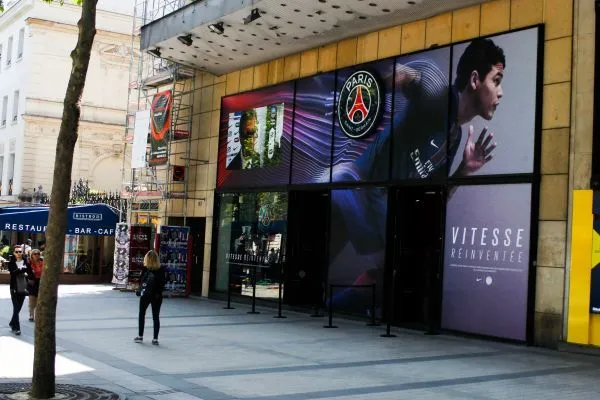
[
  {"x": 27, "y": 252},
  {"x": 19, "y": 272},
  {"x": 152, "y": 284},
  {"x": 37, "y": 265}
]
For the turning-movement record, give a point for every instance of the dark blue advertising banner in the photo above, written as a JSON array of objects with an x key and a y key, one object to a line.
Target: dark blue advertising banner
[
  {"x": 313, "y": 123},
  {"x": 174, "y": 256},
  {"x": 486, "y": 260},
  {"x": 421, "y": 98},
  {"x": 361, "y": 149},
  {"x": 357, "y": 246}
]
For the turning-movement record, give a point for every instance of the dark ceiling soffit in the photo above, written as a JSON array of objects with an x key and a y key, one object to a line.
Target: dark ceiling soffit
[{"x": 187, "y": 18}]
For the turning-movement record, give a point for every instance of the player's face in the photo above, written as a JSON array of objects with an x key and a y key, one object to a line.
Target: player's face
[{"x": 490, "y": 92}]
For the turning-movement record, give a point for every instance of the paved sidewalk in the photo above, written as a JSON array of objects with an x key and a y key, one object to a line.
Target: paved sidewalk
[{"x": 210, "y": 353}]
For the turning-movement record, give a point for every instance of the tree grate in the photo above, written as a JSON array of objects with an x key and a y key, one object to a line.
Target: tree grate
[{"x": 19, "y": 391}]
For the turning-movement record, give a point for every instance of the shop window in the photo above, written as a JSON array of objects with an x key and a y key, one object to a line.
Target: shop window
[
  {"x": 252, "y": 236},
  {"x": 85, "y": 255}
]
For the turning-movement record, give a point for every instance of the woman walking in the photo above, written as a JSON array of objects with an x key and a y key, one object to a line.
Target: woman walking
[
  {"x": 152, "y": 284},
  {"x": 37, "y": 264},
  {"x": 19, "y": 272}
]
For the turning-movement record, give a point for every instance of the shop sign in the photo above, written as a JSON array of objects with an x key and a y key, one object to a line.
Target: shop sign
[
  {"x": 360, "y": 104},
  {"x": 87, "y": 216}
]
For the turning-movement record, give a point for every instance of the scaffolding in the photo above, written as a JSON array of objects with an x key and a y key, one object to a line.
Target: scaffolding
[{"x": 150, "y": 190}]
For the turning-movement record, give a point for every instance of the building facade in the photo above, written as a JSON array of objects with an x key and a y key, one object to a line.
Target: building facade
[
  {"x": 36, "y": 40},
  {"x": 253, "y": 191}
]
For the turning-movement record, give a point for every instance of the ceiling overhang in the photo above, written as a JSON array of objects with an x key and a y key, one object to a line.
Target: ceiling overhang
[{"x": 284, "y": 27}]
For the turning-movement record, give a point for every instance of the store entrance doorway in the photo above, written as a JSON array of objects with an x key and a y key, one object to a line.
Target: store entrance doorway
[
  {"x": 417, "y": 227},
  {"x": 306, "y": 267}
]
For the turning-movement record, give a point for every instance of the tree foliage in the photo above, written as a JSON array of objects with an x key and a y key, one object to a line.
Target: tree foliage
[{"x": 61, "y": 2}]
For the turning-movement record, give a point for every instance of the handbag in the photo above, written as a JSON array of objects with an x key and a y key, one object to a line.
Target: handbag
[{"x": 21, "y": 285}]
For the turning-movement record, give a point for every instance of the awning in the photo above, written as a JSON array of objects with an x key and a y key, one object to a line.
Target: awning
[{"x": 87, "y": 219}]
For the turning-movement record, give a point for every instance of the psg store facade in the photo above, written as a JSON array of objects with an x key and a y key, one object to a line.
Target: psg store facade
[{"x": 418, "y": 174}]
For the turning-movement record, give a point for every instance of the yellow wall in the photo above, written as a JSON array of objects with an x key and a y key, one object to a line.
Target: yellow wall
[{"x": 583, "y": 327}]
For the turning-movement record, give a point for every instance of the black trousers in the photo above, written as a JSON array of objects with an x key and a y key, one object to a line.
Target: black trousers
[
  {"x": 156, "y": 302},
  {"x": 17, "y": 301}
]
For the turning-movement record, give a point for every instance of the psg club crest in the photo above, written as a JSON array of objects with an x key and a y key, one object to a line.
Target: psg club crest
[{"x": 359, "y": 104}]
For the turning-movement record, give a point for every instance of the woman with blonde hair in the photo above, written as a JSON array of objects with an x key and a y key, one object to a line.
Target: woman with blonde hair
[{"x": 152, "y": 284}]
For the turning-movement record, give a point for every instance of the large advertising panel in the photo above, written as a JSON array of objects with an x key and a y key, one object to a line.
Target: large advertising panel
[
  {"x": 494, "y": 94},
  {"x": 140, "y": 243},
  {"x": 160, "y": 122},
  {"x": 421, "y": 100},
  {"x": 486, "y": 260},
  {"x": 255, "y": 138},
  {"x": 313, "y": 127},
  {"x": 357, "y": 245},
  {"x": 121, "y": 255},
  {"x": 363, "y": 122},
  {"x": 173, "y": 253}
]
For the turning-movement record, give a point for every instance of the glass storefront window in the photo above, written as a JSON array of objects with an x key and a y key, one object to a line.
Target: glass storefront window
[{"x": 252, "y": 238}]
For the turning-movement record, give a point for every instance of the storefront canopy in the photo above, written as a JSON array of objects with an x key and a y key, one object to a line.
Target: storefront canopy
[{"x": 87, "y": 219}]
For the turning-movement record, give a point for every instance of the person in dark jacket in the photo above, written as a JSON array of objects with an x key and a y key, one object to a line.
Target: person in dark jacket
[
  {"x": 17, "y": 266},
  {"x": 152, "y": 284}
]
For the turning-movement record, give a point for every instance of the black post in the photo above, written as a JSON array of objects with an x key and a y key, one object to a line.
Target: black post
[
  {"x": 254, "y": 292},
  {"x": 318, "y": 298},
  {"x": 330, "y": 309},
  {"x": 388, "y": 329},
  {"x": 432, "y": 328},
  {"x": 279, "y": 302},
  {"x": 229, "y": 291},
  {"x": 373, "y": 306}
]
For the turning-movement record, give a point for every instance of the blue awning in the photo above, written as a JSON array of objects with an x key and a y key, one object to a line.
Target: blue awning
[{"x": 86, "y": 219}]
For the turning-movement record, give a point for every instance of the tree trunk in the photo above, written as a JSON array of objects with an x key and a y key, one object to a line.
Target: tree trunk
[{"x": 44, "y": 380}]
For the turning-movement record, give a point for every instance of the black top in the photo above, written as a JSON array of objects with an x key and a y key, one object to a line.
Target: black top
[
  {"x": 14, "y": 271},
  {"x": 159, "y": 278}
]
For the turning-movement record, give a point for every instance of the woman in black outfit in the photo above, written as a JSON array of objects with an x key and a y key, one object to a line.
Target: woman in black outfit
[
  {"x": 17, "y": 265},
  {"x": 152, "y": 284}
]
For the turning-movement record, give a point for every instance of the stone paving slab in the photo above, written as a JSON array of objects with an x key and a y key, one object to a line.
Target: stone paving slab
[{"x": 209, "y": 353}]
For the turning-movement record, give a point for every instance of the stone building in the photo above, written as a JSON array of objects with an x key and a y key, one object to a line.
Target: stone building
[
  {"x": 240, "y": 53},
  {"x": 36, "y": 40}
]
